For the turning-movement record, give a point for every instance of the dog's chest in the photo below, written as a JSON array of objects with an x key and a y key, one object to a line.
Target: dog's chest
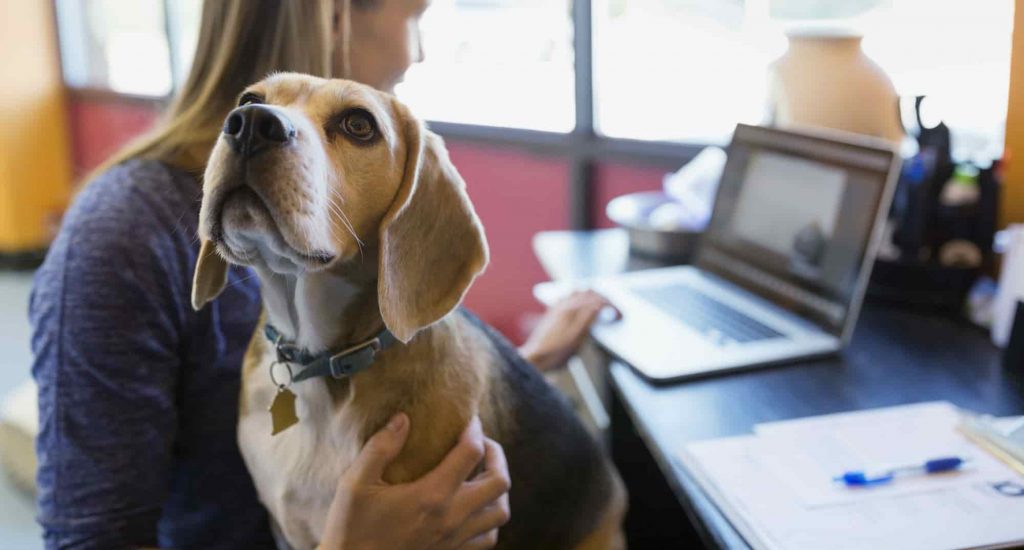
[{"x": 296, "y": 471}]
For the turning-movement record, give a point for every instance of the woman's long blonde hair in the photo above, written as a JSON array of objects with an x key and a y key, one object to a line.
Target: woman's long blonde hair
[{"x": 240, "y": 42}]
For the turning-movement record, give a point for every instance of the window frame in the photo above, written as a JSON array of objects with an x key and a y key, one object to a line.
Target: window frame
[{"x": 583, "y": 148}]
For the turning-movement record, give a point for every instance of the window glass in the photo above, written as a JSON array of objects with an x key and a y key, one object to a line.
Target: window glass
[
  {"x": 502, "y": 63},
  {"x": 680, "y": 70},
  {"x": 184, "y": 24},
  {"x": 689, "y": 70},
  {"x": 120, "y": 45},
  {"x": 956, "y": 53}
]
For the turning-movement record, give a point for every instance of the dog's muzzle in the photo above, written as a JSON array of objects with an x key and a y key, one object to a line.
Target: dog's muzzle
[{"x": 253, "y": 129}]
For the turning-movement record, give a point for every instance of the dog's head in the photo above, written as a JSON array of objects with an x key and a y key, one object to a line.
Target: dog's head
[{"x": 308, "y": 171}]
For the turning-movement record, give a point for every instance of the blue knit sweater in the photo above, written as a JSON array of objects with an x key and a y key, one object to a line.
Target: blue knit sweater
[{"x": 138, "y": 394}]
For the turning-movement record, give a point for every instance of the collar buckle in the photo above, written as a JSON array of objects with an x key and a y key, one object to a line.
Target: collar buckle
[
  {"x": 354, "y": 359},
  {"x": 343, "y": 364}
]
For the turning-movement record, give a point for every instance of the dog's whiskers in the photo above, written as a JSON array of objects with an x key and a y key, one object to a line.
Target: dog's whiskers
[
  {"x": 335, "y": 207},
  {"x": 334, "y": 224},
  {"x": 337, "y": 227}
]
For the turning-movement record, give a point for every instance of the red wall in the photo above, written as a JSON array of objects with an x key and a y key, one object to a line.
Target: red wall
[
  {"x": 516, "y": 194},
  {"x": 100, "y": 127}
]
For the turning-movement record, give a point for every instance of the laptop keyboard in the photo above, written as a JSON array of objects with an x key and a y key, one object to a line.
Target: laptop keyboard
[{"x": 717, "y": 321}]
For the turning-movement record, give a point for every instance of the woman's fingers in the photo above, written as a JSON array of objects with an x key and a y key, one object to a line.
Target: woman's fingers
[
  {"x": 591, "y": 304},
  {"x": 580, "y": 298},
  {"x": 460, "y": 462},
  {"x": 601, "y": 303},
  {"x": 383, "y": 447},
  {"x": 582, "y": 320},
  {"x": 488, "y": 487},
  {"x": 494, "y": 460},
  {"x": 482, "y": 505},
  {"x": 589, "y": 311},
  {"x": 482, "y": 542},
  {"x": 484, "y": 523}
]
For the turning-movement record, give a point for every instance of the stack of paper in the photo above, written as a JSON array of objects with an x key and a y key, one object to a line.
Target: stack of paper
[
  {"x": 777, "y": 486},
  {"x": 1003, "y": 437}
]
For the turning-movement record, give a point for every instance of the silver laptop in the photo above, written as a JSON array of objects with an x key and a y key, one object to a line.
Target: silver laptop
[{"x": 782, "y": 267}]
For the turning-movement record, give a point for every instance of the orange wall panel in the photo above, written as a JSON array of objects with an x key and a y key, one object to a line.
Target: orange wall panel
[
  {"x": 1013, "y": 189},
  {"x": 35, "y": 171}
]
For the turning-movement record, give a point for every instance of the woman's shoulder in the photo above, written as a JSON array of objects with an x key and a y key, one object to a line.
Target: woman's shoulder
[
  {"x": 135, "y": 210},
  {"x": 146, "y": 190}
]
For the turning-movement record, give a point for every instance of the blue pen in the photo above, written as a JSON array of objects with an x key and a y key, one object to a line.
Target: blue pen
[{"x": 933, "y": 466}]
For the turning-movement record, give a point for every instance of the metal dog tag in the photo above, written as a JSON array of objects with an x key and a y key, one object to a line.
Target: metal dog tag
[
  {"x": 282, "y": 408},
  {"x": 282, "y": 411}
]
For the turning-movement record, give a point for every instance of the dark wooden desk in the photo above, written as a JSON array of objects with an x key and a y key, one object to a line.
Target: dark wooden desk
[{"x": 896, "y": 357}]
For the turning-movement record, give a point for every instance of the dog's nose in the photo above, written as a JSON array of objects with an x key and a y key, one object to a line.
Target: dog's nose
[{"x": 252, "y": 129}]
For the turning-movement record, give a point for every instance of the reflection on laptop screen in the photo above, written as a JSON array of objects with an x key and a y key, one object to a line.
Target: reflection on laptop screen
[
  {"x": 793, "y": 221},
  {"x": 790, "y": 206}
]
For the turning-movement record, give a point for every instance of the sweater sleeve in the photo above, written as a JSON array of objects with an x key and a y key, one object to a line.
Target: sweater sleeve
[{"x": 107, "y": 318}]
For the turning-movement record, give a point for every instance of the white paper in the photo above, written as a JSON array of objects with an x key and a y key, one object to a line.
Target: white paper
[
  {"x": 775, "y": 486},
  {"x": 808, "y": 453}
]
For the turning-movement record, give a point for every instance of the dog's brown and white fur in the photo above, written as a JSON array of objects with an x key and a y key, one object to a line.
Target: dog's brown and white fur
[{"x": 355, "y": 220}]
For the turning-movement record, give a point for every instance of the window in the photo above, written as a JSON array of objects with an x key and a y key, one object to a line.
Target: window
[
  {"x": 183, "y": 16},
  {"x": 506, "y": 63},
  {"x": 663, "y": 70},
  {"x": 119, "y": 45},
  {"x": 680, "y": 70},
  {"x": 956, "y": 53},
  {"x": 702, "y": 64}
]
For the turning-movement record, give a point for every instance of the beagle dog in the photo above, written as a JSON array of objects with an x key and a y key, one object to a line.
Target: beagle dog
[{"x": 364, "y": 240}]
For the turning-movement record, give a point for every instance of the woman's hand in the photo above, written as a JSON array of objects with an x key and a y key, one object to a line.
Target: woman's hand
[
  {"x": 441, "y": 510},
  {"x": 562, "y": 329}
]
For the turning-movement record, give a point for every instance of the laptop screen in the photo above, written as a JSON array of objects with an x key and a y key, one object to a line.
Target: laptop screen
[{"x": 794, "y": 219}]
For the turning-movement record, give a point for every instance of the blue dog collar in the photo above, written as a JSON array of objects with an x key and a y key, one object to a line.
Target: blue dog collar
[{"x": 336, "y": 364}]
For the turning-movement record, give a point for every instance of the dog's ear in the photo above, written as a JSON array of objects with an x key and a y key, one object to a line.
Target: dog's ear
[
  {"x": 432, "y": 245},
  {"x": 210, "y": 277}
]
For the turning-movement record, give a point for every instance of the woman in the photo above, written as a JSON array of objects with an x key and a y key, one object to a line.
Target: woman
[{"x": 139, "y": 394}]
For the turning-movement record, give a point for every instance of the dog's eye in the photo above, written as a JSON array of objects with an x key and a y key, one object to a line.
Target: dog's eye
[
  {"x": 249, "y": 98},
  {"x": 359, "y": 124}
]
